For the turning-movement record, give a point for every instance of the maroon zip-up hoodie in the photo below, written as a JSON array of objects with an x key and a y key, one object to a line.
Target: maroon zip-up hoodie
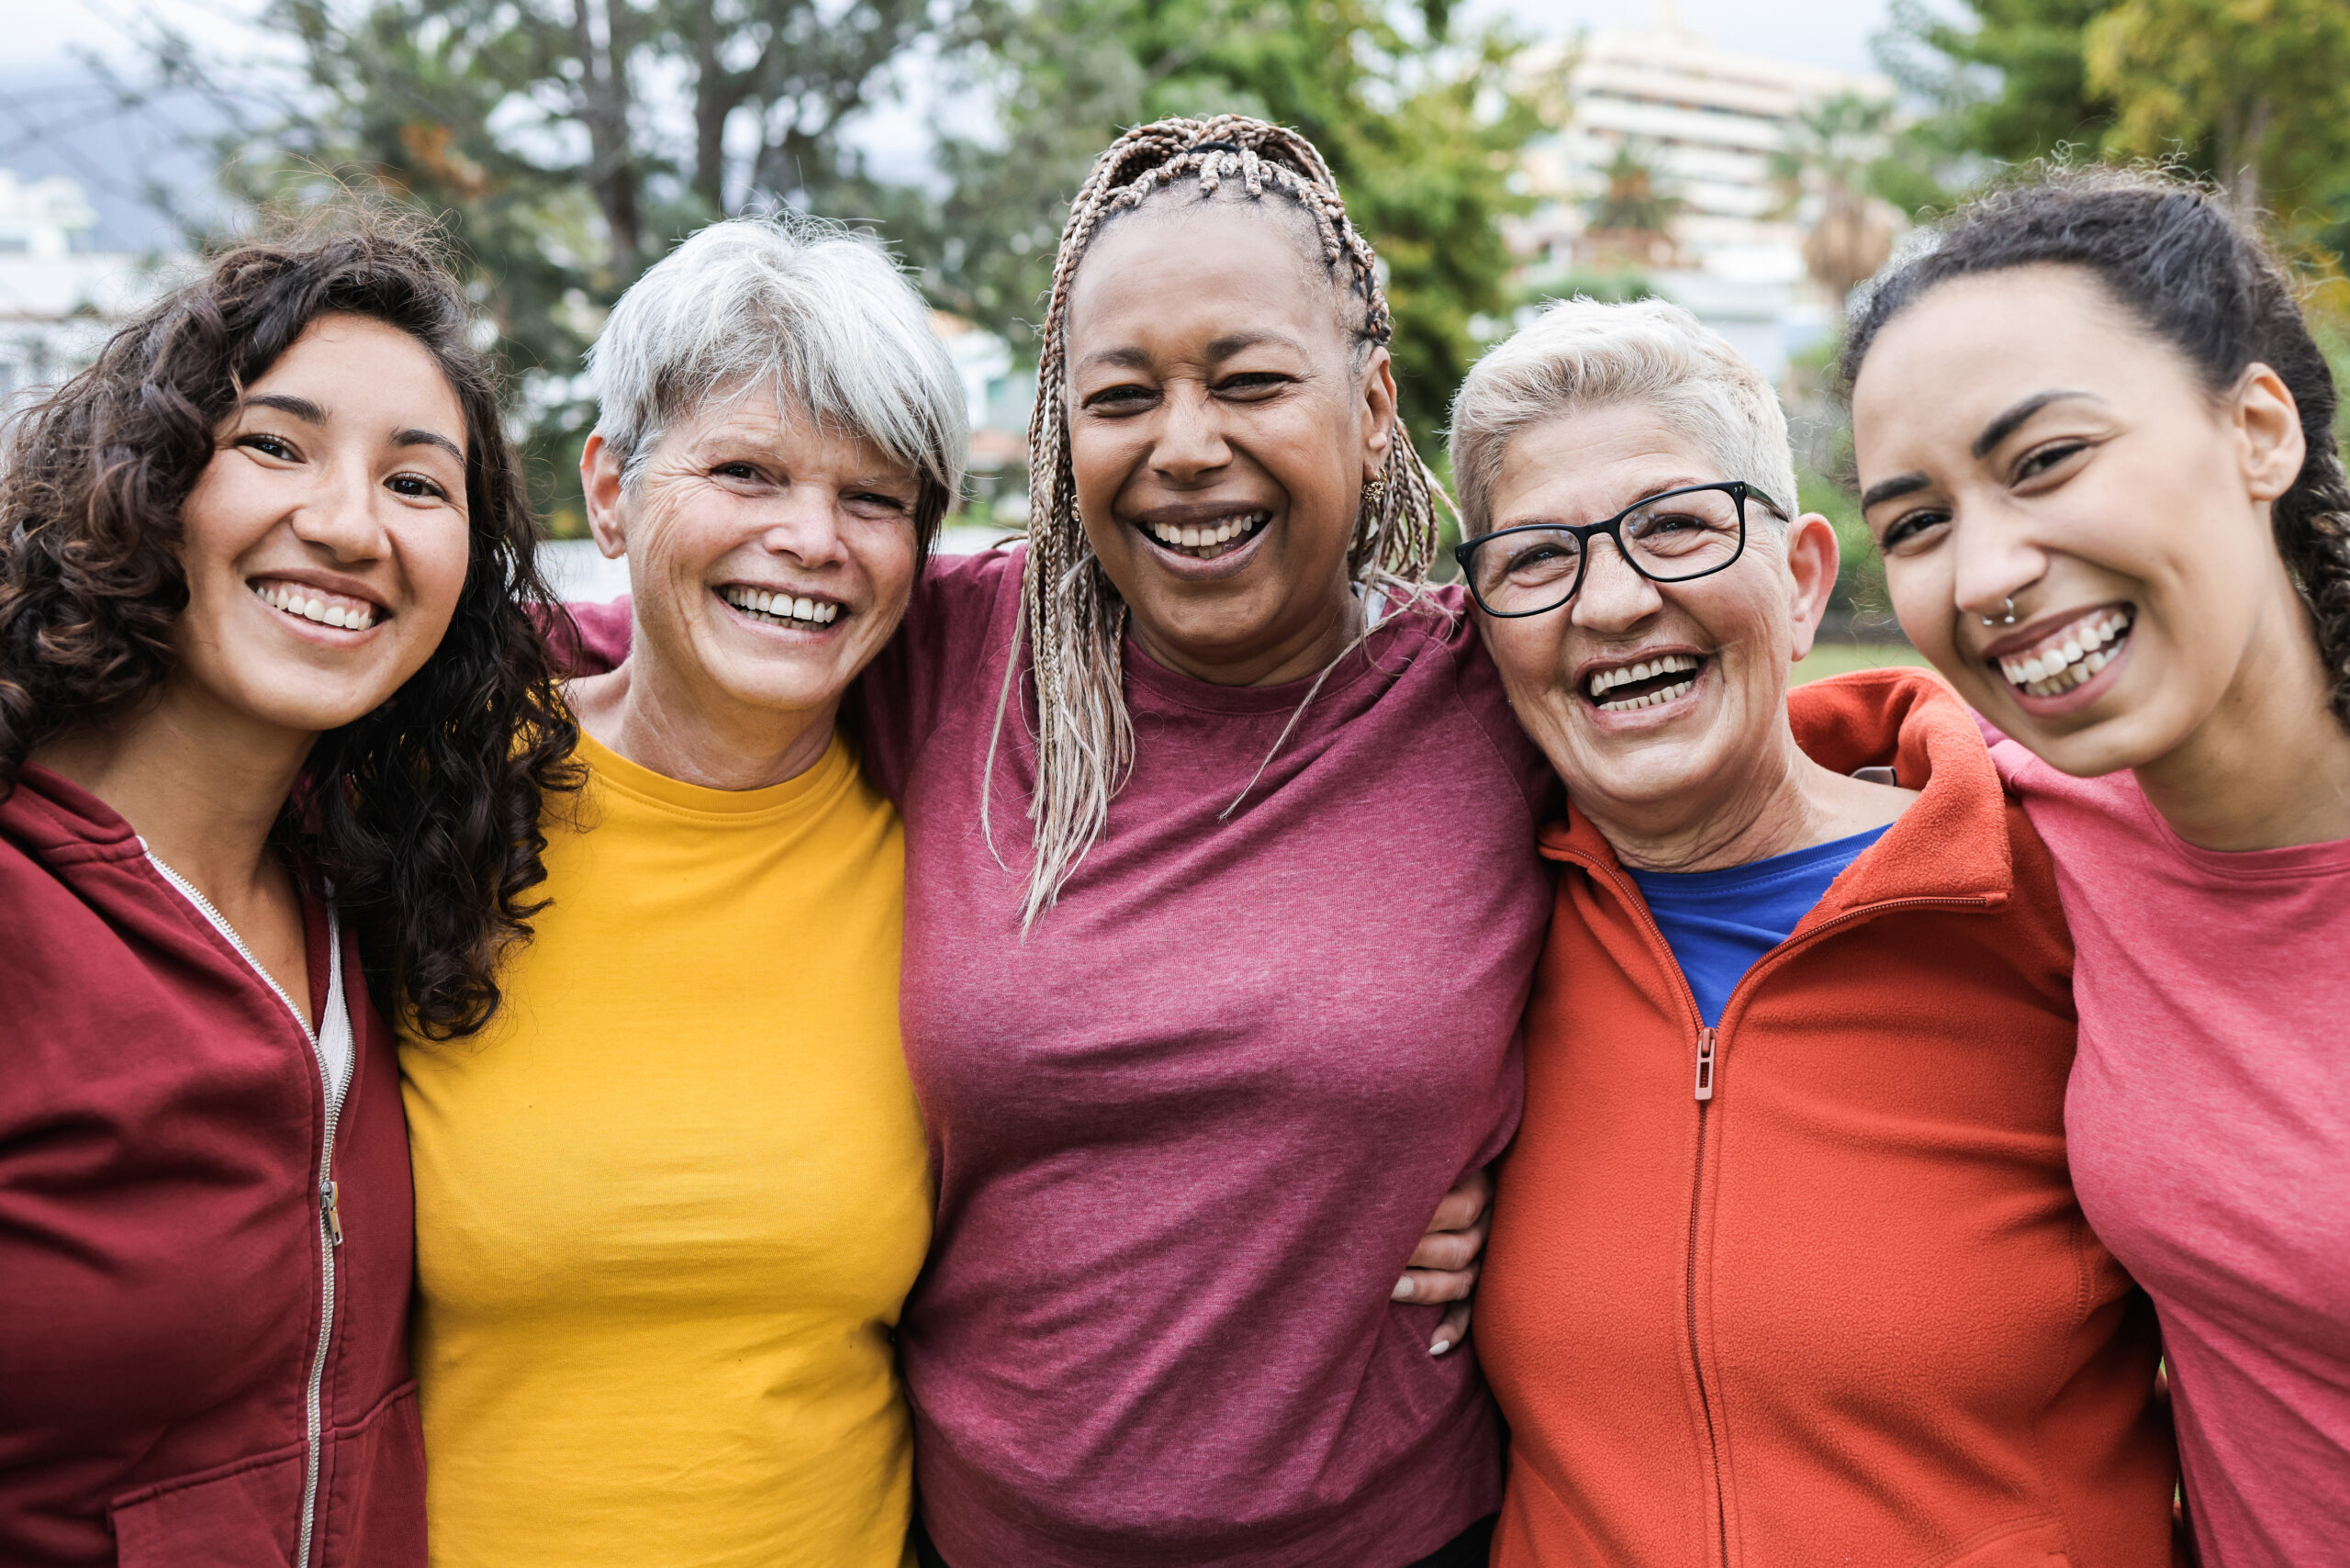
[{"x": 167, "y": 1271}]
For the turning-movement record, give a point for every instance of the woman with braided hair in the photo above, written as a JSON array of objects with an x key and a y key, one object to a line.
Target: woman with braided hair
[
  {"x": 1202, "y": 1041},
  {"x": 1201, "y": 1049},
  {"x": 2097, "y": 444}
]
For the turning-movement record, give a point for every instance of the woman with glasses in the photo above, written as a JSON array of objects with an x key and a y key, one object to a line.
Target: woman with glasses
[{"x": 1786, "y": 1266}]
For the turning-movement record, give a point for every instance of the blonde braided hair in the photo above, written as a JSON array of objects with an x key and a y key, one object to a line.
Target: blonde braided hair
[{"x": 1071, "y": 615}]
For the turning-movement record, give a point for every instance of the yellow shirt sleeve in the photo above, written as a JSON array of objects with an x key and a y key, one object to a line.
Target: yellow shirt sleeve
[{"x": 669, "y": 1203}]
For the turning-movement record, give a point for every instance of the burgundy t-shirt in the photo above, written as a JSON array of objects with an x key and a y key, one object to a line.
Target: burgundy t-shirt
[{"x": 1188, "y": 1131}]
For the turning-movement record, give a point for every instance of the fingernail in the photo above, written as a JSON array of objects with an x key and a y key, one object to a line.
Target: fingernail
[
  {"x": 1439, "y": 1348},
  {"x": 1402, "y": 1289}
]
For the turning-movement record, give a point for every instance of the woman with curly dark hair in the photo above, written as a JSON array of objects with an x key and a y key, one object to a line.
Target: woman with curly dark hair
[
  {"x": 2096, "y": 441},
  {"x": 276, "y": 731}
]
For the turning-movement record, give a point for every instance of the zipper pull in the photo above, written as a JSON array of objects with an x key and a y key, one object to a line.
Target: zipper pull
[
  {"x": 1706, "y": 1064},
  {"x": 333, "y": 1212}
]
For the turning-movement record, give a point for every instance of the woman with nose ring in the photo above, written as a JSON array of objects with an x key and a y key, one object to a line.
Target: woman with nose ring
[
  {"x": 1786, "y": 1266},
  {"x": 2095, "y": 441},
  {"x": 1221, "y": 906}
]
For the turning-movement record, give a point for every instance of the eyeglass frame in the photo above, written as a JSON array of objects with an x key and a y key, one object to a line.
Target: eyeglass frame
[{"x": 1738, "y": 490}]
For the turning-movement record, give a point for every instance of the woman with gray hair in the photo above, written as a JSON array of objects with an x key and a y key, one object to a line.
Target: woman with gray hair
[
  {"x": 1201, "y": 1049},
  {"x": 1787, "y": 1264},
  {"x": 670, "y": 1205}
]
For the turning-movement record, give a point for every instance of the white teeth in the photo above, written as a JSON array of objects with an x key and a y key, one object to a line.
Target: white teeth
[
  {"x": 783, "y": 606},
  {"x": 294, "y": 602},
  {"x": 2084, "y": 652},
  {"x": 1654, "y": 699},
  {"x": 1625, "y": 675},
  {"x": 1208, "y": 537}
]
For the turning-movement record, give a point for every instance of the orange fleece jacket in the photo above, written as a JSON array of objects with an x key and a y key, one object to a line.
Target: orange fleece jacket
[{"x": 1846, "y": 1310}]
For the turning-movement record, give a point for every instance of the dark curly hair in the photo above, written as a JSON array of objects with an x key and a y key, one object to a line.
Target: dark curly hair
[
  {"x": 423, "y": 814},
  {"x": 2174, "y": 260}
]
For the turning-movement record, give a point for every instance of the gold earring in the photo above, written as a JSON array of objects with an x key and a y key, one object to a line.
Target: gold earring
[{"x": 1374, "y": 492}]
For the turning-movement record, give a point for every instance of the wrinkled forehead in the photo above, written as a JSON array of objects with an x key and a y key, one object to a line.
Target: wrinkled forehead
[
  {"x": 1589, "y": 461},
  {"x": 1189, "y": 235},
  {"x": 760, "y": 417}
]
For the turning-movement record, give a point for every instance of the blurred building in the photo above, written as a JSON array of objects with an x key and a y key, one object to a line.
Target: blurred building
[
  {"x": 59, "y": 298},
  {"x": 1665, "y": 169},
  {"x": 998, "y": 395}
]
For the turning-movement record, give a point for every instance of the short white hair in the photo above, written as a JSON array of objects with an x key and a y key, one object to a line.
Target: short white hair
[
  {"x": 811, "y": 308},
  {"x": 1580, "y": 355}
]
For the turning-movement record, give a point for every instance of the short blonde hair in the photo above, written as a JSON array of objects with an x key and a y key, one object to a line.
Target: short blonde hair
[{"x": 1580, "y": 355}]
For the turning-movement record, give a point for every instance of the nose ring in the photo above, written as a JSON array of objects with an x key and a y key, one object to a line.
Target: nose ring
[{"x": 2008, "y": 620}]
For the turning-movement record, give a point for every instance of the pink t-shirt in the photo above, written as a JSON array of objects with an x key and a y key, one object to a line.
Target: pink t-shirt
[
  {"x": 2208, "y": 1125},
  {"x": 1188, "y": 1131}
]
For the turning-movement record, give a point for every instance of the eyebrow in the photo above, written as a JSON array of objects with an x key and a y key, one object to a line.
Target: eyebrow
[
  {"x": 1222, "y": 348},
  {"x": 1131, "y": 358},
  {"x": 310, "y": 413},
  {"x": 302, "y": 408},
  {"x": 1647, "y": 494},
  {"x": 1889, "y": 489},
  {"x": 2001, "y": 427},
  {"x": 428, "y": 438},
  {"x": 2006, "y": 424}
]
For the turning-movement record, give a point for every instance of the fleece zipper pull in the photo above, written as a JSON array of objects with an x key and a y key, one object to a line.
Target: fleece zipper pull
[
  {"x": 335, "y": 1212},
  {"x": 1706, "y": 1064}
]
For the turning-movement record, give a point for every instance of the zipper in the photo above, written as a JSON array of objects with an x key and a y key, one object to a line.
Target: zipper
[
  {"x": 1708, "y": 1065},
  {"x": 1689, "y": 1296},
  {"x": 329, "y": 1214}
]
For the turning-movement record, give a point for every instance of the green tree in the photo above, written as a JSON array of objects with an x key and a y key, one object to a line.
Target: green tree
[
  {"x": 2256, "y": 91},
  {"x": 2005, "y": 80},
  {"x": 568, "y": 143},
  {"x": 1422, "y": 129},
  {"x": 1635, "y": 199}
]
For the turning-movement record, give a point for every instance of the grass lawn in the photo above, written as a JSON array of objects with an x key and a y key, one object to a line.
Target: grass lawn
[{"x": 1835, "y": 658}]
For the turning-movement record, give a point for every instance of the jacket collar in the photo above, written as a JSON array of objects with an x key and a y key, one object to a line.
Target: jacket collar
[
  {"x": 58, "y": 821},
  {"x": 1949, "y": 847}
]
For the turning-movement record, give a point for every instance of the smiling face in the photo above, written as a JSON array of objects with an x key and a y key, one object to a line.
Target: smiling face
[
  {"x": 1657, "y": 703},
  {"x": 327, "y": 540},
  {"x": 2020, "y": 439},
  {"x": 769, "y": 560},
  {"x": 1222, "y": 424}
]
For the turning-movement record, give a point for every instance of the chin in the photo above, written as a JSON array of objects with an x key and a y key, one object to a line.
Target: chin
[{"x": 2092, "y": 751}]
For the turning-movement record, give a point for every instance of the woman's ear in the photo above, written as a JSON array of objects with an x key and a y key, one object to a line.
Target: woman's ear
[
  {"x": 1813, "y": 557},
  {"x": 599, "y": 483},
  {"x": 1379, "y": 410},
  {"x": 2269, "y": 422}
]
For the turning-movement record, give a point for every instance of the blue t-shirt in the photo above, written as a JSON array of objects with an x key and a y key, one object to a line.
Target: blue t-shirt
[{"x": 1719, "y": 923}]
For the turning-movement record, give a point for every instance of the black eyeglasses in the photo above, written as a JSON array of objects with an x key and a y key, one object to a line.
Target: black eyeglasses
[{"x": 1672, "y": 538}]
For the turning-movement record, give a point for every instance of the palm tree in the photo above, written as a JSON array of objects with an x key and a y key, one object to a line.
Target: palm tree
[
  {"x": 1631, "y": 221},
  {"x": 1830, "y": 152}
]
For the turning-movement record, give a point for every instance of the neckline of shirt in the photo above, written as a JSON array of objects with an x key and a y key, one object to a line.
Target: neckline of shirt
[
  {"x": 1382, "y": 648},
  {"x": 1792, "y": 865},
  {"x": 2285, "y": 862},
  {"x": 807, "y": 794}
]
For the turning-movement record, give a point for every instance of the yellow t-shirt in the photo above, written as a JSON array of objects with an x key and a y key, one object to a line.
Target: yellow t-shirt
[{"x": 668, "y": 1204}]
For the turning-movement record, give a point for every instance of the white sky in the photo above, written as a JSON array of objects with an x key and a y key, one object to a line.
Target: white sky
[
  {"x": 53, "y": 119},
  {"x": 1834, "y": 33},
  {"x": 39, "y": 33}
]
